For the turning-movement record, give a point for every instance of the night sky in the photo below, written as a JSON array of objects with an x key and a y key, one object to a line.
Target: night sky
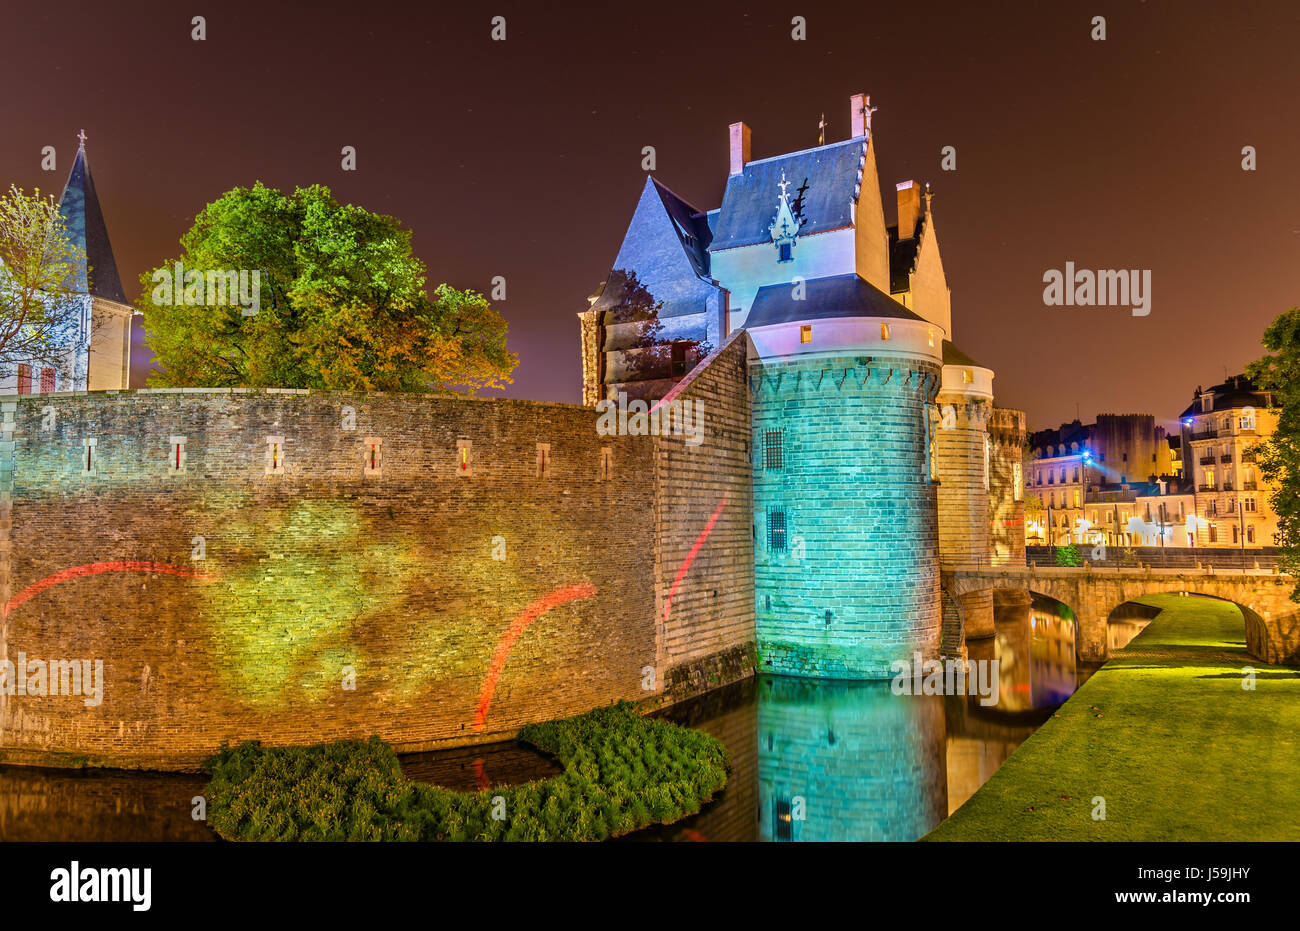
[{"x": 522, "y": 158}]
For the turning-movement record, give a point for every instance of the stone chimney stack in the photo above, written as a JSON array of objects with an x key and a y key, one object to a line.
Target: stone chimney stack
[
  {"x": 739, "y": 147},
  {"x": 859, "y": 115},
  {"x": 909, "y": 208}
]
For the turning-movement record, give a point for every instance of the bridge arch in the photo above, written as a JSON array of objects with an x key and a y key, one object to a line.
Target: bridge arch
[{"x": 1271, "y": 618}]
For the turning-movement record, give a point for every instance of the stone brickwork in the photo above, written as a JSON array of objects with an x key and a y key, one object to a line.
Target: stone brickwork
[
  {"x": 964, "y": 473},
  {"x": 1007, "y": 432},
  {"x": 703, "y": 493},
  {"x": 1272, "y": 621},
  {"x": 846, "y": 569},
  {"x": 309, "y": 537}
]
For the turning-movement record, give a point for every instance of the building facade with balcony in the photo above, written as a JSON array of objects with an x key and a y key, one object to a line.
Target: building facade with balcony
[{"x": 1220, "y": 432}]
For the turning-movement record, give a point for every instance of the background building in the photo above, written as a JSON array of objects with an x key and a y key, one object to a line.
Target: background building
[
  {"x": 98, "y": 355},
  {"x": 1220, "y": 430}
]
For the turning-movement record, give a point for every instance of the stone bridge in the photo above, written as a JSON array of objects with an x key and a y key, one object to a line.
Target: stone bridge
[{"x": 1272, "y": 619}]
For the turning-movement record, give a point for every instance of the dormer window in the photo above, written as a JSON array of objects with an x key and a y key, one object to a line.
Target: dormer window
[
  {"x": 784, "y": 252},
  {"x": 805, "y": 333}
]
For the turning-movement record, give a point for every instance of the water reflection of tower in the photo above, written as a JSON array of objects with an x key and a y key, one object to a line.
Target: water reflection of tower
[
  {"x": 848, "y": 761},
  {"x": 1035, "y": 652}
]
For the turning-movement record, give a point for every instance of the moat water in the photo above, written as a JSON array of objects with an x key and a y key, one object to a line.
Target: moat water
[{"x": 811, "y": 760}]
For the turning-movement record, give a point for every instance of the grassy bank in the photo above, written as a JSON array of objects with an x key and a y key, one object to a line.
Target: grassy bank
[
  {"x": 621, "y": 772},
  {"x": 1166, "y": 734}
]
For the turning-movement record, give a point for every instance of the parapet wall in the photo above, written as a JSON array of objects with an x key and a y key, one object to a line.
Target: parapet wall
[{"x": 299, "y": 567}]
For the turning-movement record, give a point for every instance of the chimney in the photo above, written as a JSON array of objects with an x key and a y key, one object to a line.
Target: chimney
[
  {"x": 909, "y": 208},
  {"x": 859, "y": 115},
  {"x": 739, "y": 147}
]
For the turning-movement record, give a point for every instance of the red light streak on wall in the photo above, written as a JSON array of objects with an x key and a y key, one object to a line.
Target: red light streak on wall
[
  {"x": 525, "y": 617},
  {"x": 98, "y": 568}
]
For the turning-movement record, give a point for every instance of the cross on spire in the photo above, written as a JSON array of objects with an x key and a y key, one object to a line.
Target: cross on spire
[
  {"x": 783, "y": 185},
  {"x": 82, "y": 137}
]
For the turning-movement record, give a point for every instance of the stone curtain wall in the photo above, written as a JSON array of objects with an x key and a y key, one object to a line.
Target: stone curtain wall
[
  {"x": 333, "y": 560},
  {"x": 856, "y": 584},
  {"x": 703, "y": 496},
  {"x": 1007, "y": 432}
]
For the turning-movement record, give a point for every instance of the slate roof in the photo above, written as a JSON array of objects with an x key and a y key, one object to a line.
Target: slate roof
[
  {"x": 1238, "y": 391},
  {"x": 902, "y": 254},
  {"x": 832, "y": 172},
  {"x": 666, "y": 248},
  {"x": 85, "y": 222},
  {"x": 825, "y": 298},
  {"x": 1065, "y": 434},
  {"x": 954, "y": 356}
]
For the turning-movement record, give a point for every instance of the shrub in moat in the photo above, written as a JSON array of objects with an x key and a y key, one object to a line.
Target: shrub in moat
[{"x": 621, "y": 772}]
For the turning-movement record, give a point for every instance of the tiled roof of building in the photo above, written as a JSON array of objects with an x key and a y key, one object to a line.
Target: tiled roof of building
[
  {"x": 666, "y": 249},
  {"x": 902, "y": 254},
  {"x": 954, "y": 356},
  {"x": 824, "y": 298},
  {"x": 1063, "y": 435},
  {"x": 84, "y": 219},
  {"x": 827, "y": 178},
  {"x": 1237, "y": 392}
]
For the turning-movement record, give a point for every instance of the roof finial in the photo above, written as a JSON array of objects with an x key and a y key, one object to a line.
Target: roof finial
[
  {"x": 821, "y": 128},
  {"x": 82, "y": 144},
  {"x": 867, "y": 110}
]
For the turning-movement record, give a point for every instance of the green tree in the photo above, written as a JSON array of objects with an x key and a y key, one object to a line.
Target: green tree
[
  {"x": 37, "y": 266},
  {"x": 1279, "y": 456},
  {"x": 341, "y": 304}
]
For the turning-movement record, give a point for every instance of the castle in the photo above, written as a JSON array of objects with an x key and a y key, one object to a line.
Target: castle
[
  {"x": 878, "y": 456},
  {"x": 298, "y": 566},
  {"x": 97, "y": 352}
]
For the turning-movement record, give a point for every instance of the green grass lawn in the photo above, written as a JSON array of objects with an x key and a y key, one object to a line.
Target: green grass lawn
[{"x": 1166, "y": 734}]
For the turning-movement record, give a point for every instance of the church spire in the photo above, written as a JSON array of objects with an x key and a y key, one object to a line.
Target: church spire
[{"x": 84, "y": 220}]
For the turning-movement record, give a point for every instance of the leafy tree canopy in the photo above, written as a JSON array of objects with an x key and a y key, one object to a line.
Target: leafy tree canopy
[
  {"x": 341, "y": 304},
  {"x": 37, "y": 265},
  {"x": 1279, "y": 457}
]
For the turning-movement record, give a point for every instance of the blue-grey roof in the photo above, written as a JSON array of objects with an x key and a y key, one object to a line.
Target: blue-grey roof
[
  {"x": 832, "y": 174},
  {"x": 824, "y": 298},
  {"x": 86, "y": 229},
  {"x": 666, "y": 249}
]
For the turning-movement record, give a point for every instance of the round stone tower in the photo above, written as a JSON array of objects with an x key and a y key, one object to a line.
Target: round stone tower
[
  {"x": 846, "y": 573},
  {"x": 965, "y": 403}
]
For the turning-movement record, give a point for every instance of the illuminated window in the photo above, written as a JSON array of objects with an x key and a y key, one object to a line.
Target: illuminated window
[
  {"x": 275, "y": 455},
  {"x": 374, "y": 456},
  {"x": 176, "y": 459},
  {"x": 773, "y": 450},
  {"x": 24, "y": 378},
  {"x": 1017, "y": 482},
  {"x": 805, "y": 333},
  {"x": 884, "y": 331},
  {"x": 464, "y": 462},
  {"x": 543, "y": 460},
  {"x": 967, "y": 377},
  {"x": 930, "y": 337},
  {"x": 776, "y": 530},
  {"x": 1076, "y": 498}
]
